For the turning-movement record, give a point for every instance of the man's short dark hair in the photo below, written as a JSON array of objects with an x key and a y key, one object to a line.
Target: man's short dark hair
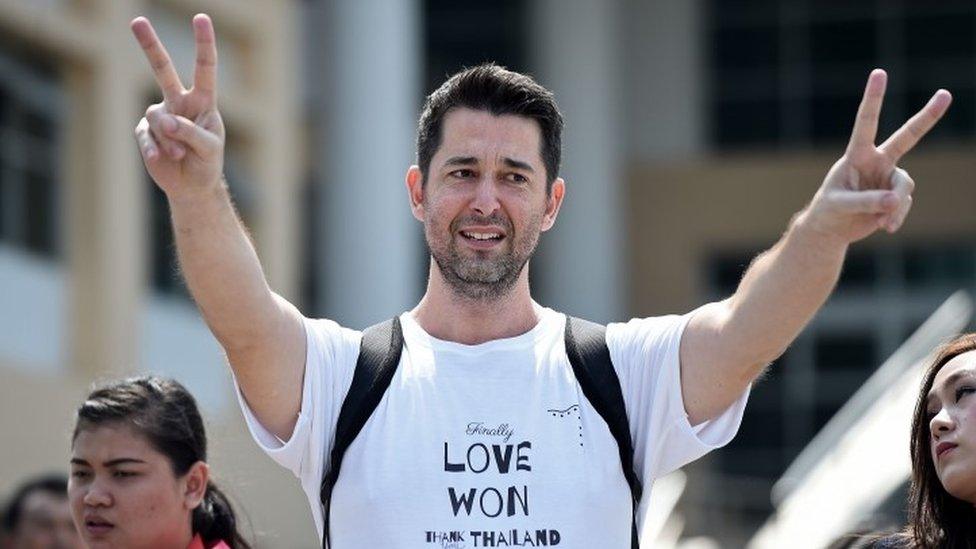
[
  {"x": 490, "y": 87},
  {"x": 54, "y": 484}
]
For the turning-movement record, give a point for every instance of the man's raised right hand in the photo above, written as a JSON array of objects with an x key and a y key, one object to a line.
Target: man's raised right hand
[
  {"x": 182, "y": 143},
  {"x": 182, "y": 138}
]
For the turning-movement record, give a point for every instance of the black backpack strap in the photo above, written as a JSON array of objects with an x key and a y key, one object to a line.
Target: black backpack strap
[
  {"x": 586, "y": 345},
  {"x": 379, "y": 355}
]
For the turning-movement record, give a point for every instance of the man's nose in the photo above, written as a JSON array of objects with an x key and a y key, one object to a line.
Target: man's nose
[{"x": 485, "y": 200}]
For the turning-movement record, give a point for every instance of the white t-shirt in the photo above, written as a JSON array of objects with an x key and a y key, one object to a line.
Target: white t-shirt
[{"x": 491, "y": 445}]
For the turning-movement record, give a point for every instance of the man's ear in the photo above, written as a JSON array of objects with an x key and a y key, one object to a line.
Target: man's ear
[
  {"x": 197, "y": 479},
  {"x": 415, "y": 190},
  {"x": 553, "y": 202}
]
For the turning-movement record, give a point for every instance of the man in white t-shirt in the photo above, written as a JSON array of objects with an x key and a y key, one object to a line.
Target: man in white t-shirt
[{"x": 483, "y": 438}]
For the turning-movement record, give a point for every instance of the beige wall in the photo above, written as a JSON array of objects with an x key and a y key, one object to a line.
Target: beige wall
[{"x": 680, "y": 213}]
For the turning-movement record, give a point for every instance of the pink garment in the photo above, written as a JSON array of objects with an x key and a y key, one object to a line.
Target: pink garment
[{"x": 198, "y": 543}]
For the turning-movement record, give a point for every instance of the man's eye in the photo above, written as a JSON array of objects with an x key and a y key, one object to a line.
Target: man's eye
[
  {"x": 80, "y": 474},
  {"x": 518, "y": 178},
  {"x": 463, "y": 174}
]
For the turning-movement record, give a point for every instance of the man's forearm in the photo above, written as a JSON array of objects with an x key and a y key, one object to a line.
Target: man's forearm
[
  {"x": 781, "y": 291},
  {"x": 222, "y": 269},
  {"x": 727, "y": 344}
]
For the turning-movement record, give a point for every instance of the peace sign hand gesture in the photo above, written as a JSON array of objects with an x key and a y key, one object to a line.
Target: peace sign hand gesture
[
  {"x": 182, "y": 138},
  {"x": 865, "y": 190}
]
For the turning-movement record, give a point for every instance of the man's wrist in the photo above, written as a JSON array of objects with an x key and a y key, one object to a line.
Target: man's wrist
[
  {"x": 191, "y": 195},
  {"x": 805, "y": 227}
]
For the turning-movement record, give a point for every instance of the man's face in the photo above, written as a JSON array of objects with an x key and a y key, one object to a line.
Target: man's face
[
  {"x": 484, "y": 203},
  {"x": 45, "y": 523}
]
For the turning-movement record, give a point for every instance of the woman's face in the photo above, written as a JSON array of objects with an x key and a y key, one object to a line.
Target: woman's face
[
  {"x": 951, "y": 407},
  {"x": 123, "y": 493}
]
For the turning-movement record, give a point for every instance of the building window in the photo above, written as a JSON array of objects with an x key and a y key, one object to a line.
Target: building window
[
  {"x": 792, "y": 73},
  {"x": 164, "y": 270},
  {"x": 464, "y": 34},
  {"x": 31, "y": 111}
]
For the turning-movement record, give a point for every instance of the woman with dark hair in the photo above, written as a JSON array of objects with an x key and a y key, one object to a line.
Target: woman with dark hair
[
  {"x": 942, "y": 497},
  {"x": 139, "y": 476}
]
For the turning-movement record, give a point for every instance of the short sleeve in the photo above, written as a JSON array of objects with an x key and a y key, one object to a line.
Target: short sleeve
[
  {"x": 645, "y": 355},
  {"x": 330, "y": 360}
]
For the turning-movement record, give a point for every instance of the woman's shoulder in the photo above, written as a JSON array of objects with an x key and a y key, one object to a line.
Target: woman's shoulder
[
  {"x": 872, "y": 541},
  {"x": 897, "y": 541}
]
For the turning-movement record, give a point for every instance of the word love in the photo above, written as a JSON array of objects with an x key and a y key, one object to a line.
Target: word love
[{"x": 480, "y": 458}]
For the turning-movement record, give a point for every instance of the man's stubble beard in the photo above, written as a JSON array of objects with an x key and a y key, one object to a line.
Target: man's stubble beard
[{"x": 483, "y": 279}]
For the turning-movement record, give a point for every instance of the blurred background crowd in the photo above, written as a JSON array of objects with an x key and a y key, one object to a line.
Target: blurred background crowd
[{"x": 695, "y": 129}]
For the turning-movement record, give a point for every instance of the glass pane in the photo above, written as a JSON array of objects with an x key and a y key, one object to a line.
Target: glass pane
[
  {"x": 723, "y": 12},
  {"x": 954, "y": 36},
  {"x": 843, "y": 42},
  {"x": 39, "y": 125},
  {"x": 832, "y": 118},
  {"x": 746, "y": 122},
  {"x": 860, "y": 271},
  {"x": 725, "y": 270},
  {"x": 29, "y": 125},
  {"x": 745, "y": 48},
  {"x": 164, "y": 270},
  {"x": 463, "y": 34},
  {"x": 40, "y": 214},
  {"x": 840, "y": 352},
  {"x": 940, "y": 266}
]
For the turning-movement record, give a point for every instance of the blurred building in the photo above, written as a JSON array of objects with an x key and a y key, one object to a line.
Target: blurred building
[
  {"x": 695, "y": 130},
  {"x": 88, "y": 286}
]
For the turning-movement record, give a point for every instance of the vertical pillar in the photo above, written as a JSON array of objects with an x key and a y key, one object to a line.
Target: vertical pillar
[
  {"x": 581, "y": 264},
  {"x": 666, "y": 85},
  {"x": 369, "y": 259},
  {"x": 106, "y": 203},
  {"x": 276, "y": 150}
]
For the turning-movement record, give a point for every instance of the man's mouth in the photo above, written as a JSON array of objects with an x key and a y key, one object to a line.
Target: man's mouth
[{"x": 482, "y": 236}]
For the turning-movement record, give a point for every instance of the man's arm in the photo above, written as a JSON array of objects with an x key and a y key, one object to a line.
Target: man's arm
[
  {"x": 727, "y": 344},
  {"x": 182, "y": 144}
]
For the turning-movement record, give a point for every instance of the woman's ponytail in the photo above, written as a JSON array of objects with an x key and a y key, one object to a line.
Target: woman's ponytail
[{"x": 214, "y": 519}]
